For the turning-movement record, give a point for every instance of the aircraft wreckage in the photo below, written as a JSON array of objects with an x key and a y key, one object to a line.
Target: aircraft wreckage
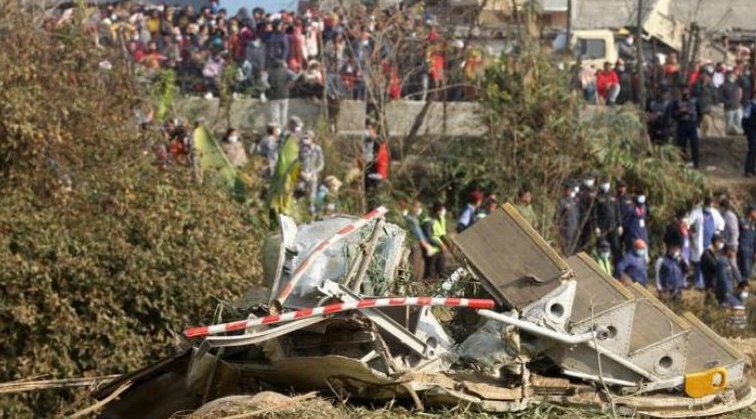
[{"x": 544, "y": 330}]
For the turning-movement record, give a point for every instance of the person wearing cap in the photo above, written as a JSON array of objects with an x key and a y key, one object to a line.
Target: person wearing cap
[
  {"x": 525, "y": 207},
  {"x": 726, "y": 281},
  {"x": 467, "y": 216},
  {"x": 312, "y": 163},
  {"x": 749, "y": 128},
  {"x": 634, "y": 222},
  {"x": 586, "y": 199},
  {"x": 607, "y": 217},
  {"x": 603, "y": 256},
  {"x": 268, "y": 147},
  {"x": 670, "y": 279},
  {"x": 632, "y": 267},
  {"x": 704, "y": 222},
  {"x": 568, "y": 219},
  {"x": 747, "y": 242}
]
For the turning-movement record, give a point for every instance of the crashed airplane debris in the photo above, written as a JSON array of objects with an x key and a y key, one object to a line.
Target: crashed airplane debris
[{"x": 548, "y": 330}]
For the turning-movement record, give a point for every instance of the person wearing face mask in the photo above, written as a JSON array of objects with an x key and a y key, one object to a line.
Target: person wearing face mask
[
  {"x": 234, "y": 149},
  {"x": 286, "y": 173},
  {"x": 710, "y": 261},
  {"x": 687, "y": 111},
  {"x": 749, "y": 128},
  {"x": 707, "y": 97},
  {"x": 704, "y": 222},
  {"x": 435, "y": 229},
  {"x": 625, "y": 82},
  {"x": 603, "y": 257},
  {"x": 732, "y": 97},
  {"x": 634, "y": 222},
  {"x": 671, "y": 275},
  {"x": 586, "y": 199},
  {"x": 632, "y": 267},
  {"x": 568, "y": 219},
  {"x": 607, "y": 217}
]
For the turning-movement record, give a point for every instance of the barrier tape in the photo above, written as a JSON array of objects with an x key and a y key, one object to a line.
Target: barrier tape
[{"x": 476, "y": 303}]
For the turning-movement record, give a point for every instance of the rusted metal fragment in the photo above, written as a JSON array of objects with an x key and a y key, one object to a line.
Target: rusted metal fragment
[{"x": 513, "y": 262}]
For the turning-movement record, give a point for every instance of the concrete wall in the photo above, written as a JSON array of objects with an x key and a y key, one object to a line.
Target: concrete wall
[{"x": 447, "y": 119}]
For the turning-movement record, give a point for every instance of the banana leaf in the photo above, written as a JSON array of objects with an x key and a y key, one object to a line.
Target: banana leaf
[
  {"x": 167, "y": 91},
  {"x": 281, "y": 198},
  {"x": 214, "y": 164}
]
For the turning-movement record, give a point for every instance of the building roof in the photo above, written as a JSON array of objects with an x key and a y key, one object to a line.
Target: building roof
[
  {"x": 553, "y": 5},
  {"x": 713, "y": 15}
]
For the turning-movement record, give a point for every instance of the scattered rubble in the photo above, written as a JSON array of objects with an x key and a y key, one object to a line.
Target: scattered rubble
[{"x": 557, "y": 331}]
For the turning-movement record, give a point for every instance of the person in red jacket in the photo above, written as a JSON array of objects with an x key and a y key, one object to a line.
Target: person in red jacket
[
  {"x": 607, "y": 84},
  {"x": 376, "y": 171}
]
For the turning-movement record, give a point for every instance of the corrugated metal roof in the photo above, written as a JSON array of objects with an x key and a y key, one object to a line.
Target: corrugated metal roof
[{"x": 554, "y": 5}]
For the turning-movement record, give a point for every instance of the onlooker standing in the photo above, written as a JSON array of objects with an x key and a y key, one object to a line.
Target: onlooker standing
[
  {"x": 704, "y": 222},
  {"x": 422, "y": 248},
  {"x": 749, "y": 127},
  {"x": 524, "y": 206},
  {"x": 587, "y": 202},
  {"x": 687, "y": 112},
  {"x": 731, "y": 229},
  {"x": 707, "y": 97},
  {"x": 632, "y": 267},
  {"x": 732, "y": 97},
  {"x": 709, "y": 261},
  {"x": 607, "y": 218},
  {"x": 726, "y": 282},
  {"x": 467, "y": 216},
  {"x": 603, "y": 257},
  {"x": 634, "y": 222},
  {"x": 268, "y": 147},
  {"x": 312, "y": 163},
  {"x": 677, "y": 234},
  {"x": 747, "y": 243},
  {"x": 279, "y": 80},
  {"x": 568, "y": 219},
  {"x": 671, "y": 275},
  {"x": 435, "y": 230}
]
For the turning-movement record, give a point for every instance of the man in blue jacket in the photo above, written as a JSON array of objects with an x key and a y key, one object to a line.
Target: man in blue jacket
[
  {"x": 634, "y": 222},
  {"x": 747, "y": 243},
  {"x": 633, "y": 266},
  {"x": 671, "y": 274}
]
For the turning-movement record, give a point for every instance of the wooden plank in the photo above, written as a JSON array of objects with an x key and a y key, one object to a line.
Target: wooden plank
[
  {"x": 596, "y": 291},
  {"x": 514, "y": 263}
]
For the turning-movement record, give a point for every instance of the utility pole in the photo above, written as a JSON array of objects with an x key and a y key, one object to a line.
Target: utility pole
[
  {"x": 569, "y": 25},
  {"x": 639, "y": 57}
]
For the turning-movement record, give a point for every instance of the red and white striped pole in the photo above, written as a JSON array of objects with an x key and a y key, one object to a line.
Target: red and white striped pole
[
  {"x": 215, "y": 329},
  {"x": 323, "y": 245}
]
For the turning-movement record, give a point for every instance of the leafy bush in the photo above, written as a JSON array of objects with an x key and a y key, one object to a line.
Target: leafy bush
[{"x": 102, "y": 252}]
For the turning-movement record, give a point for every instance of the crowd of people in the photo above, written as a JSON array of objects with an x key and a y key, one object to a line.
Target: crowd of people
[
  {"x": 708, "y": 248},
  {"x": 682, "y": 104},
  {"x": 319, "y": 54}
]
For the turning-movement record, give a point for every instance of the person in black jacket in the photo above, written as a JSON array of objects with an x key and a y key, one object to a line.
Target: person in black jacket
[
  {"x": 608, "y": 220},
  {"x": 749, "y": 127},
  {"x": 687, "y": 111},
  {"x": 709, "y": 261}
]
